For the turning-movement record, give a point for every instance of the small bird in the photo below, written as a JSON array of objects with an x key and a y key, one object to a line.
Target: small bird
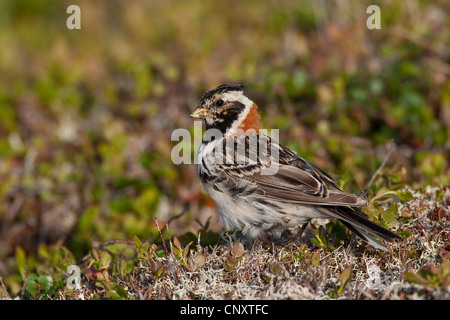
[{"x": 262, "y": 187}]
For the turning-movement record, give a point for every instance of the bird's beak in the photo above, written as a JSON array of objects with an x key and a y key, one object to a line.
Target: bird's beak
[{"x": 199, "y": 113}]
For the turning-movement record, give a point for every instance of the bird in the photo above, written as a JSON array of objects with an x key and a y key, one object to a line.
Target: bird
[{"x": 263, "y": 188}]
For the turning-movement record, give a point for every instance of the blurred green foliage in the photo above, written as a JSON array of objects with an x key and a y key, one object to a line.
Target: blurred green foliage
[{"x": 86, "y": 115}]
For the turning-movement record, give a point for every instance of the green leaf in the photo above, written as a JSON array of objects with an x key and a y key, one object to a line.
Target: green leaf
[
  {"x": 122, "y": 268},
  {"x": 315, "y": 259},
  {"x": 45, "y": 281},
  {"x": 405, "y": 196},
  {"x": 137, "y": 241},
  {"x": 344, "y": 277},
  {"x": 275, "y": 268},
  {"x": 105, "y": 259},
  {"x": 121, "y": 291},
  {"x": 412, "y": 277},
  {"x": 186, "y": 251},
  {"x": 160, "y": 271},
  {"x": 230, "y": 263},
  {"x": 390, "y": 214},
  {"x": 31, "y": 283},
  {"x": 177, "y": 243},
  {"x": 144, "y": 247},
  {"x": 431, "y": 275},
  {"x": 21, "y": 261},
  {"x": 404, "y": 233},
  {"x": 383, "y": 194},
  {"x": 315, "y": 242}
]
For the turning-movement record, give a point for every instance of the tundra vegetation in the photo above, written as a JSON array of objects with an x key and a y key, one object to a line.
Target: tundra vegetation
[{"x": 92, "y": 207}]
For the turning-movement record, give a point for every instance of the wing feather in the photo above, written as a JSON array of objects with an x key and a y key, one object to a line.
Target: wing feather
[{"x": 296, "y": 180}]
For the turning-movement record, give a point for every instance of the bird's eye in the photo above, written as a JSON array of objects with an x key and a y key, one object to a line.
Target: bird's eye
[{"x": 219, "y": 103}]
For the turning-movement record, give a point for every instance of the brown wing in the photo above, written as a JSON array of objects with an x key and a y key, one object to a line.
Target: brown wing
[
  {"x": 286, "y": 177},
  {"x": 292, "y": 184}
]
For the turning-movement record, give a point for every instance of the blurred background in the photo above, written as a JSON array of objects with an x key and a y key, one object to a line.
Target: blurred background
[{"x": 86, "y": 115}]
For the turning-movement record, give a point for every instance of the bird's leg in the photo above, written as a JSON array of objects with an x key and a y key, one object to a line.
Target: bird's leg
[
  {"x": 255, "y": 242},
  {"x": 298, "y": 235},
  {"x": 302, "y": 229}
]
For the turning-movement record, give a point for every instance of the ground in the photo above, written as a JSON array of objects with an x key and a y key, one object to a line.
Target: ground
[{"x": 339, "y": 267}]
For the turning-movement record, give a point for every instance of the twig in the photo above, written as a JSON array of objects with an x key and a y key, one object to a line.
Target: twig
[
  {"x": 4, "y": 289},
  {"x": 170, "y": 243},
  {"x": 162, "y": 238},
  {"x": 229, "y": 237},
  {"x": 199, "y": 246},
  {"x": 172, "y": 255},
  {"x": 182, "y": 213},
  {"x": 172, "y": 259},
  {"x": 332, "y": 252},
  {"x": 114, "y": 241},
  {"x": 377, "y": 172},
  {"x": 25, "y": 277}
]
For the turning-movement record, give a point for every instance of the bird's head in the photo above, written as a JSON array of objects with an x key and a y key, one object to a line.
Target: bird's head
[{"x": 226, "y": 108}]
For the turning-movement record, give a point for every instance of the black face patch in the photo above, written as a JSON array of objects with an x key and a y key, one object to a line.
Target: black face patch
[{"x": 223, "y": 118}]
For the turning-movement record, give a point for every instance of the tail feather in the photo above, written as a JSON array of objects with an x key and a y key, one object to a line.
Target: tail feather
[
  {"x": 365, "y": 236},
  {"x": 358, "y": 222}
]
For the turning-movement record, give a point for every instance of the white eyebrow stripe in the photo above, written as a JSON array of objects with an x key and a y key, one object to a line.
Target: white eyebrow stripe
[
  {"x": 240, "y": 97},
  {"x": 237, "y": 96}
]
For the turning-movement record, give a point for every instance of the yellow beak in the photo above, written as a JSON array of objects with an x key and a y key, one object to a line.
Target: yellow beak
[{"x": 199, "y": 113}]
